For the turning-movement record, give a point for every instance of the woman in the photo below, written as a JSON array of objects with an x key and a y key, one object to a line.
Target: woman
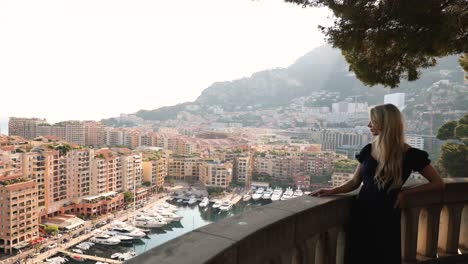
[{"x": 384, "y": 166}]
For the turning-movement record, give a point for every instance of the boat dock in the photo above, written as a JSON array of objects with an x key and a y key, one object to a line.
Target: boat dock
[{"x": 88, "y": 257}]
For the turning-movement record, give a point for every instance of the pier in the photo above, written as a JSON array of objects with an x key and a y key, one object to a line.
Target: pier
[{"x": 88, "y": 257}]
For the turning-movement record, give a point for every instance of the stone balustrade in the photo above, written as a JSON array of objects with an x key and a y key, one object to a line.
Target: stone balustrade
[{"x": 313, "y": 230}]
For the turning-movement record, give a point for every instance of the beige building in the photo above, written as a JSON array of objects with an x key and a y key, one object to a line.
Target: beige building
[
  {"x": 24, "y": 127},
  {"x": 94, "y": 133},
  {"x": 243, "y": 169},
  {"x": 132, "y": 171},
  {"x": 339, "y": 178},
  {"x": 79, "y": 167},
  {"x": 183, "y": 167},
  {"x": 215, "y": 174},
  {"x": 154, "y": 171},
  {"x": 106, "y": 172}
]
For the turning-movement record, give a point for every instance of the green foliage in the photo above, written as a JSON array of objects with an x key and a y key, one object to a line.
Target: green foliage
[
  {"x": 453, "y": 155},
  {"x": 387, "y": 41},
  {"x": 464, "y": 63},
  {"x": 345, "y": 165},
  {"x": 128, "y": 197},
  {"x": 51, "y": 229},
  {"x": 146, "y": 184},
  {"x": 214, "y": 190},
  {"x": 447, "y": 131},
  {"x": 13, "y": 181}
]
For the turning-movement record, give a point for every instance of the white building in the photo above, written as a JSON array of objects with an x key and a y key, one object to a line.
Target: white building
[
  {"x": 415, "y": 141},
  {"x": 396, "y": 99}
]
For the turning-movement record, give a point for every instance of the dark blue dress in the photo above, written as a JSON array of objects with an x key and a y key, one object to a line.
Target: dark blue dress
[{"x": 375, "y": 224}]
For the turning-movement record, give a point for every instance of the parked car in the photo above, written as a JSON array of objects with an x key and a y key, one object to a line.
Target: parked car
[{"x": 54, "y": 245}]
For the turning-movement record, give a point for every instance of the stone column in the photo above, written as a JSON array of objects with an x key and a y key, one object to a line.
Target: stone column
[
  {"x": 321, "y": 251},
  {"x": 308, "y": 249},
  {"x": 464, "y": 229},
  {"x": 409, "y": 233},
  {"x": 429, "y": 230},
  {"x": 450, "y": 228}
]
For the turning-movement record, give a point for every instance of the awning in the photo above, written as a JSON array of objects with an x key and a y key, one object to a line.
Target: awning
[
  {"x": 76, "y": 223},
  {"x": 21, "y": 245}
]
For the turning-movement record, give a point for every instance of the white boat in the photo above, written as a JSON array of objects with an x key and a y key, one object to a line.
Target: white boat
[
  {"x": 126, "y": 228},
  {"x": 298, "y": 193},
  {"x": 149, "y": 222},
  {"x": 225, "y": 206},
  {"x": 258, "y": 194},
  {"x": 180, "y": 200},
  {"x": 84, "y": 245},
  {"x": 170, "y": 215},
  {"x": 126, "y": 231},
  {"x": 104, "y": 239},
  {"x": 192, "y": 200},
  {"x": 217, "y": 204},
  {"x": 122, "y": 238},
  {"x": 99, "y": 262},
  {"x": 205, "y": 202},
  {"x": 246, "y": 197},
  {"x": 288, "y": 194},
  {"x": 277, "y": 194},
  {"x": 267, "y": 194},
  {"x": 79, "y": 251},
  {"x": 56, "y": 260}
]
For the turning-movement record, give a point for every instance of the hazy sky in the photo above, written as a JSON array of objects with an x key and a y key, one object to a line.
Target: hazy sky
[{"x": 92, "y": 59}]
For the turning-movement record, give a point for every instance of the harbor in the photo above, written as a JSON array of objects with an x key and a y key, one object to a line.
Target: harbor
[{"x": 161, "y": 219}]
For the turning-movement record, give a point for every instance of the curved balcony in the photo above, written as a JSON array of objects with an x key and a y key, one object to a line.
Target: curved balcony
[{"x": 313, "y": 230}]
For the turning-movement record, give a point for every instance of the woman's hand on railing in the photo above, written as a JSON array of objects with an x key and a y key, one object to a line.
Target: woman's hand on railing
[{"x": 323, "y": 192}]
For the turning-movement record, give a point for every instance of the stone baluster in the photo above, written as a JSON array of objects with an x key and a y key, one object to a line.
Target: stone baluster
[
  {"x": 308, "y": 249},
  {"x": 332, "y": 240},
  {"x": 464, "y": 229},
  {"x": 409, "y": 230},
  {"x": 341, "y": 246},
  {"x": 429, "y": 230},
  {"x": 321, "y": 249},
  {"x": 450, "y": 228}
]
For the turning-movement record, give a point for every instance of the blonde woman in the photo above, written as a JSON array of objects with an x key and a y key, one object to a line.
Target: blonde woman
[{"x": 384, "y": 166}]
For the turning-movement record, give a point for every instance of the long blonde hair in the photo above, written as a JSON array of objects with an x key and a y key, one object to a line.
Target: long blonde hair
[{"x": 389, "y": 144}]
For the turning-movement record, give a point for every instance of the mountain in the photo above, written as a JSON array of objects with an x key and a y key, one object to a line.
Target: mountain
[{"x": 322, "y": 69}]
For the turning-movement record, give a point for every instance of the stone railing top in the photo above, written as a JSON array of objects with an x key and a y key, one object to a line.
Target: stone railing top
[{"x": 287, "y": 223}]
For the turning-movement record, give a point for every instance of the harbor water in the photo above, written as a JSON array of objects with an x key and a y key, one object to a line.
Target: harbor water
[{"x": 193, "y": 218}]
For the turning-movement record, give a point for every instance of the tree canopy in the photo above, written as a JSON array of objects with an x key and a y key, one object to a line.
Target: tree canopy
[
  {"x": 454, "y": 156},
  {"x": 387, "y": 41}
]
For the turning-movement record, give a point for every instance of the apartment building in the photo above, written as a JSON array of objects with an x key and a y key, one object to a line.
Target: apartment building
[
  {"x": 215, "y": 173},
  {"x": 243, "y": 169},
  {"x": 154, "y": 171},
  {"x": 18, "y": 207},
  {"x": 79, "y": 167},
  {"x": 94, "y": 133},
  {"x": 319, "y": 163},
  {"x": 339, "y": 178},
  {"x": 132, "y": 171},
  {"x": 106, "y": 172},
  {"x": 24, "y": 127},
  {"x": 71, "y": 131},
  {"x": 415, "y": 141},
  {"x": 114, "y": 137},
  {"x": 184, "y": 167}
]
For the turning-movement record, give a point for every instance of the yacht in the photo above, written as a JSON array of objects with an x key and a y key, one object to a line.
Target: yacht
[
  {"x": 204, "y": 203},
  {"x": 217, "y": 204},
  {"x": 170, "y": 216},
  {"x": 126, "y": 231},
  {"x": 84, "y": 245},
  {"x": 246, "y": 197},
  {"x": 57, "y": 260},
  {"x": 288, "y": 194},
  {"x": 298, "y": 193},
  {"x": 79, "y": 251},
  {"x": 258, "y": 194},
  {"x": 122, "y": 238},
  {"x": 225, "y": 206},
  {"x": 267, "y": 194},
  {"x": 104, "y": 239},
  {"x": 277, "y": 194},
  {"x": 192, "y": 200},
  {"x": 149, "y": 222}
]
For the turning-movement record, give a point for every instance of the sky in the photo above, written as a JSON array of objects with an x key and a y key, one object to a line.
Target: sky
[{"x": 94, "y": 59}]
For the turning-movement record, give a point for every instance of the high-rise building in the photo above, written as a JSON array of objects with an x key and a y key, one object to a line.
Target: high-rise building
[
  {"x": 154, "y": 171},
  {"x": 94, "y": 133},
  {"x": 243, "y": 169},
  {"x": 106, "y": 172},
  {"x": 183, "y": 167},
  {"x": 396, "y": 99},
  {"x": 215, "y": 174},
  {"x": 132, "y": 171},
  {"x": 415, "y": 141},
  {"x": 24, "y": 127}
]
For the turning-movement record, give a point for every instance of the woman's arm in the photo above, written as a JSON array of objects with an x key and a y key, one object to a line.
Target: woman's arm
[
  {"x": 435, "y": 184},
  {"x": 348, "y": 186}
]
